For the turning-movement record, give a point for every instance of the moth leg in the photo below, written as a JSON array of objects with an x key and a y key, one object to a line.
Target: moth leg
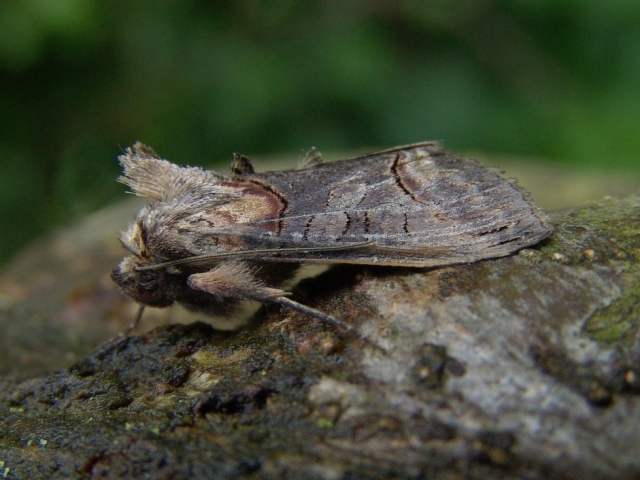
[
  {"x": 312, "y": 312},
  {"x": 135, "y": 323},
  {"x": 235, "y": 280},
  {"x": 326, "y": 318},
  {"x": 312, "y": 158},
  {"x": 241, "y": 165}
]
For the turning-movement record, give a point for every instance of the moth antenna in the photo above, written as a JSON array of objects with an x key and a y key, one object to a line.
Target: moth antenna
[
  {"x": 252, "y": 253},
  {"x": 326, "y": 318}
]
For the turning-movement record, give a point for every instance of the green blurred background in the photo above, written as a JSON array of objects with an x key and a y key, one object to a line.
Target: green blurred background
[{"x": 80, "y": 79}]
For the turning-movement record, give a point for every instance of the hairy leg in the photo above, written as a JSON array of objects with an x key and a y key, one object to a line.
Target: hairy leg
[{"x": 235, "y": 280}]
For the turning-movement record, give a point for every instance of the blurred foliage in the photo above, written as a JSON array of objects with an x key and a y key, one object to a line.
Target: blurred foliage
[{"x": 200, "y": 79}]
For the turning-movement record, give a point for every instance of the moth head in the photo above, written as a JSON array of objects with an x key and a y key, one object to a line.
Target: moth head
[
  {"x": 148, "y": 287},
  {"x": 171, "y": 190}
]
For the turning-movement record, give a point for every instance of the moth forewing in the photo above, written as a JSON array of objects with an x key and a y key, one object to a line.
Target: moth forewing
[{"x": 210, "y": 240}]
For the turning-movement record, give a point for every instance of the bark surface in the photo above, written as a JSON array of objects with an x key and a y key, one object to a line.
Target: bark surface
[{"x": 520, "y": 367}]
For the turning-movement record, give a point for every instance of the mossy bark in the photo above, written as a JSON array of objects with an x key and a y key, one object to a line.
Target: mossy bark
[{"x": 520, "y": 367}]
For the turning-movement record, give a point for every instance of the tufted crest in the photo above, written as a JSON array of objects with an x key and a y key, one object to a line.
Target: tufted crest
[{"x": 149, "y": 176}]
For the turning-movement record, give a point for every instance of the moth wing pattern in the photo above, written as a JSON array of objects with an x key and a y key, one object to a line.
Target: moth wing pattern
[{"x": 416, "y": 205}]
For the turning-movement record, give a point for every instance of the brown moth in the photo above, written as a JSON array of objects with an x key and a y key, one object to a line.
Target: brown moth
[{"x": 208, "y": 240}]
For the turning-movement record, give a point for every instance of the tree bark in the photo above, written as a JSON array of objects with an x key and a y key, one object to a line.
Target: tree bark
[{"x": 520, "y": 367}]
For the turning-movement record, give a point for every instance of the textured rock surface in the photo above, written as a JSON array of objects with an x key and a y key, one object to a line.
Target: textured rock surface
[{"x": 521, "y": 367}]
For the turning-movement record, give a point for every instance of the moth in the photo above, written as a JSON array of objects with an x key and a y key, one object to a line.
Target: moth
[{"x": 208, "y": 240}]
